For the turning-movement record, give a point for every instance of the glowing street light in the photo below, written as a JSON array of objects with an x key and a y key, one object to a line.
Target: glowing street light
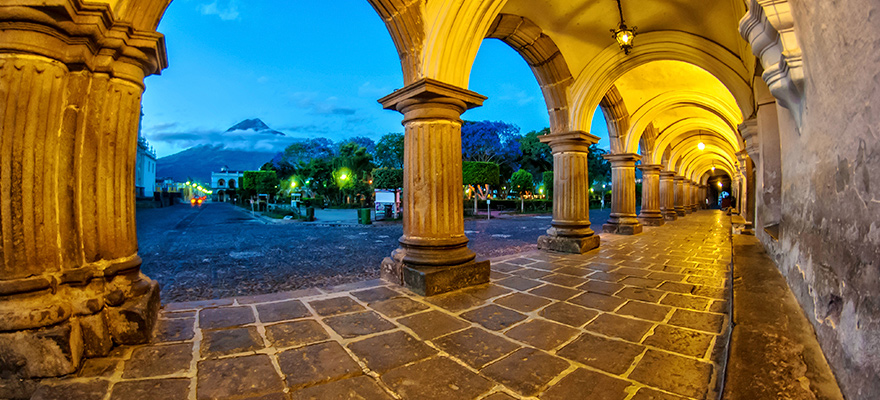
[{"x": 343, "y": 176}]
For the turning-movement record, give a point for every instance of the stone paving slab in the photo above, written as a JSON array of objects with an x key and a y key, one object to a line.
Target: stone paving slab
[{"x": 641, "y": 317}]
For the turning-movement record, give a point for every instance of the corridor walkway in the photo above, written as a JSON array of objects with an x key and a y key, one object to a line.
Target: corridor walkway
[{"x": 642, "y": 317}]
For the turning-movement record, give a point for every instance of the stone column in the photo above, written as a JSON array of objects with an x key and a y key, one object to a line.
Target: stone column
[
  {"x": 667, "y": 195},
  {"x": 570, "y": 230},
  {"x": 679, "y": 196},
  {"x": 70, "y": 281},
  {"x": 694, "y": 202},
  {"x": 433, "y": 256},
  {"x": 650, "y": 215},
  {"x": 623, "y": 219},
  {"x": 703, "y": 194}
]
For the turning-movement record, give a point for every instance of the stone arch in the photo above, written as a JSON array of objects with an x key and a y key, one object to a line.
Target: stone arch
[
  {"x": 232, "y": 183},
  {"x": 593, "y": 81},
  {"x": 712, "y": 127},
  {"x": 688, "y": 147},
  {"x": 647, "y": 143},
  {"x": 617, "y": 118},
  {"x": 221, "y": 182},
  {"x": 694, "y": 167}
]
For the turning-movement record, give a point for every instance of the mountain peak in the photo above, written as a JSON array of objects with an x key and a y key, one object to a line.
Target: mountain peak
[{"x": 254, "y": 124}]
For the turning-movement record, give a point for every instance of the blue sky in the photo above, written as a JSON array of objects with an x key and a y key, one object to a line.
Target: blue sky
[{"x": 308, "y": 69}]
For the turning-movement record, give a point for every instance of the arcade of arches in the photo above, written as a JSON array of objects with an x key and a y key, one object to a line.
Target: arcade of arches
[{"x": 772, "y": 100}]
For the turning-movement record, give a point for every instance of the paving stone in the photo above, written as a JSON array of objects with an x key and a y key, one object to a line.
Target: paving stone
[
  {"x": 505, "y": 267},
  {"x": 476, "y": 347},
  {"x": 676, "y": 374},
  {"x": 634, "y": 272},
  {"x": 711, "y": 292},
  {"x": 499, "y": 396},
  {"x": 585, "y": 384},
  {"x": 701, "y": 321},
  {"x": 295, "y": 333},
  {"x": 719, "y": 306},
  {"x": 455, "y": 301},
  {"x": 568, "y": 314},
  {"x": 677, "y": 287},
  {"x": 196, "y": 305},
  {"x": 621, "y": 327},
  {"x": 682, "y": 341},
  {"x": 495, "y": 275},
  {"x": 574, "y": 271},
  {"x": 174, "y": 330},
  {"x": 601, "y": 287},
  {"x": 597, "y": 301},
  {"x": 648, "y": 311},
  {"x": 391, "y": 350},
  {"x": 94, "y": 389},
  {"x": 607, "y": 276},
  {"x": 641, "y": 282},
  {"x": 335, "y": 306},
  {"x": 486, "y": 291},
  {"x": 531, "y": 273},
  {"x": 432, "y": 324},
  {"x": 526, "y": 371},
  {"x": 237, "y": 376},
  {"x": 282, "y": 311},
  {"x": 686, "y": 301},
  {"x": 278, "y": 296},
  {"x": 519, "y": 283},
  {"x": 613, "y": 356},
  {"x": 494, "y": 317},
  {"x": 363, "y": 323},
  {"x": 633, "y": 293},
  {"x": 99, "y": 367},
  {"x": 599, "y": 266},
  {"x": 165, "y": 389},
  {"x": 230, "y": 341},
  {"x": 347, "y": 287},
  {"x": 523, "y": 302},
  {"x": 398, "y": 306},
  {"x": 317, "y": 363},
  {"x": 706, "y": 281},
  {"x": 519, "y": 261},
  {"x": 546, "y": 265},
  {"x": 436, "y": 379},
  {"x": 375, "y": 294},
  {"x": 564, "y": 280},
  {"x": 158, "y": 360},
  {"x": 666, "y": 276},
  {"x": 176, "y": 314},
  {"x": 359, "y": 387},
  {"x": 652, "y": 394},
  {"x": 555, "y": 292},
  {"x": 542, "y": 334},
  {"x": 226, "y": 317}
]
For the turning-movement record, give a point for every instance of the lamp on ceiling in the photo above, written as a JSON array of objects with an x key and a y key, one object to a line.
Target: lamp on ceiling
[
  {"x": 624, "y": 34},
  {"x": 713, "y": 167},
  {"x": 700, "y": 145}
]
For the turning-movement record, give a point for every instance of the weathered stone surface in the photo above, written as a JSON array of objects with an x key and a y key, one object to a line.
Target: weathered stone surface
[
  {"x": 223, "y": 342},
  {"x": 375, "y": 294},
  {"x": 685, "y": 376},
  {"x": 336, "y": 305},
  {"x": 686, "y": 301},
  {"x": 542, "y": 334},
  {"x": 648, "y": 295},
  {"x": 133, "y": 321},
  {"x": 158, "y": 360},
  {"x": 96, "y": 337},
  {"x": 475, "y": 346},
  {"x": 282, "y": 311},
  {"x": 682, "y": 341},
  {"x": 597, "y": 301},
  {"x": 52, "y": 351},
  {"x": 226, "y": 317},
  {"x": 567, "y": 244},
  {"x": 357, "y": 324},
  {"x": 555, "y": 292},
  {"x": 174, "y": 330},
  {"x": 651, "y": 312},
  {"x": 391, "y": 350},
  {"x": 359, "y": 387},
  {"x": 239, "y": 376},
  {"x": 701, "y": 321},
  {"x": 436, "y": 379},
  {"x": 652, "y": 394},
  {"x": 606, "y": 288},
  {"x": 568, "y": 314},
  {"x": 398, "y": 307},
  {"x": 585, "y": 384},
  {"x": 486, "y": 291},
  {"x": 519, "y": 283},
  {"x": 531, "y": 273},
  {"x": 99, "y": 367},
  {"x": 170, "y": 389},
  {"x": 523, "y": 302},
  {"x": 94, "y": 389},
  {"x": 494, "y": 317},
  {"x": 455, "y": 301},
  {"x": 609, "y": 355},
  {"x": 317, "y": 363},
  {"x": 432, "y": 324},
  {"x": 564, "y": 280},
  {"x": 295, "y": 333},
  {"x": 527, "y": 371}
]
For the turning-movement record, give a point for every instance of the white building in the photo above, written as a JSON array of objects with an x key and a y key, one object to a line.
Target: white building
[
  {"x": 145, "y": 169},
  {"x": 224, "y": 183}
]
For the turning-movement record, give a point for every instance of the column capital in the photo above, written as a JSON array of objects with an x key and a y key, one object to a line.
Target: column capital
[
  {"x": 679, "y": 178},
  {"x": 622, "y": 159},
  {"x": 650, "y": 168},
  {"x": 569, "y": 141},
  {"x": 667, "y": 174},
  {"x": 425, "y": 91}
]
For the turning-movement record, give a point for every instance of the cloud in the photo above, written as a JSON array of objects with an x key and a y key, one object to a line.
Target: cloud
[
  {"x": 326, "y": 106},
  {"x": 239, "y": 139},
  {"x": 513, "y": 93},
  {"x": 372, "y": 91},
  {"x": 227, "y": 10}
]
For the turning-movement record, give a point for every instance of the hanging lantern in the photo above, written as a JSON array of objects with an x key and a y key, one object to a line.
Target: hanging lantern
[{"x": 624, "y": 34}]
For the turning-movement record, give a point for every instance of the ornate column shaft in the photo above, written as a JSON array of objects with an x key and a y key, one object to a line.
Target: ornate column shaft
[
  {"x": 570, "y": 230},
  {"x": 693, "y": 190},
  {"x": 667, "y": 195},
  {"x": 71, "y": 79},
  {"x": 679, "y": 196},
  {"x": 623, "y": 220},
  {"x": 650, "y": 214},
  {"x": 433, "y": 256},
  {"x": 703, "y": 195}
]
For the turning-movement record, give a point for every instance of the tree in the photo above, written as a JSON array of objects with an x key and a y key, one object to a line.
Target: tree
[
  {"x": 387, "y": 178},
  {"x": 364, "y": 142},
  {"x": 479, "y": 175},
  {"x": 536, "y": 156},
  {"x": 547, "y": 177},
  {"x": 389, "y": 151},
  {"x": 599, "y": 169},
  {"x": 522, "y": 182},
  {"x": 303, "y": 152},
  {"x": 491, "y": 142},
  {"x": 352, "y": 168},
  {"x": 260, "y": 182}
]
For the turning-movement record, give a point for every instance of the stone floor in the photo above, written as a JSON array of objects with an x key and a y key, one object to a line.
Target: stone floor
[{"x": 642, "y": 317}]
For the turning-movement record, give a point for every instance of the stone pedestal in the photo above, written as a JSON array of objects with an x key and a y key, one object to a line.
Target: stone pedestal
[
  {"x": 667, "y": 195},
  {"x": 650, "y": 215},
  {"x": 570, "y": 229},
  {"x": 623, "y": 220},
  {"x": 70, "y": 282},
  {"x": 433, "y": 256},
  {"x": 679, "y": 196}
]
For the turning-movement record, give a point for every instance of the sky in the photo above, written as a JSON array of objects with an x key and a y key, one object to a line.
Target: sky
[{"x": 308, "y": 69}]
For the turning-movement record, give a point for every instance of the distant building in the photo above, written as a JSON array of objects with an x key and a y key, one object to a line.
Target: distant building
[
  {"x": 224, "y": 183},
  {"x": 145, "y": 169}
]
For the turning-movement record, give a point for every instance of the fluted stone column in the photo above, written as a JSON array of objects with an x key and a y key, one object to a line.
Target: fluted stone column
[
  {"x": 623, "y": 220},
  {"x": 70, "y": 283},
  {"x": 433, "y": 256},
  {"x": 679, "y": 196},
  {"x": 650, "y": 214},
  {"x": 570, "y": 229},
  {"x": 693, "y": 189},
  {"x": 703, "y": 194},
  {"x": 667, "y": 195}
]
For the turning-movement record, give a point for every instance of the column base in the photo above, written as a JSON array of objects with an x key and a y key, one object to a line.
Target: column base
[
  {"x": 573, "y": 245},
  {"x": 654, "y": 220},
  {"x": 622, "y": 229},
  {"x": 430, "y": 281},
  {"x": 680, "y": 211},
  {"x": 669, "y": 215}
]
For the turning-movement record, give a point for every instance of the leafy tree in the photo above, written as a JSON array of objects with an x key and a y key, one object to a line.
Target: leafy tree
[
  {"x": 387, "y": 178},
  {"x": 522, "y": 182},
  {"x": 364, "y": 142},
  {"x": 491, "y": 142},
  {"x": 548, "y": 183},
  {"x": 317, "y": 177},
  {"x": 305, "y": 151},
  {"x": 536, "y": 156},
  {"x": 599, "y": 169},
  {"x": 260, "y": 182},
  {"x": 352, "y": 168},
  {"x": 479, "y": 175},
  {"x": 389, "y": 151}
]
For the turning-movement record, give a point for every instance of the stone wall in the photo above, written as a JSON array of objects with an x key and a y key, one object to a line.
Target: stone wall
[{"x": 829, "y": 244}]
